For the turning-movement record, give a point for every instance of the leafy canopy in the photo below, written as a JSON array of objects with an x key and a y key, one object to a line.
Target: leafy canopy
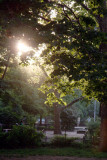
[{"x": 73, "y": 37}]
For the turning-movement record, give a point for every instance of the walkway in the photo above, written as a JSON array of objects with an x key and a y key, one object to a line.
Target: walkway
[{"x": 50, "y": 134}]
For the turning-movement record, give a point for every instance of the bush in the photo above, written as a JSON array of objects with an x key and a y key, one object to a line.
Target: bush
[
  {"x": 93, "y": 133},
  {"x": 8, "y": 117},
  {"x": 21, "y": 136},
  {"x": 68, "y": 121},
  {"x": 62, "y": 141},
  {"x": 92, "y": 126},
  {"x": 51, "y": 127},
  {"x": 3, "y": 139}
]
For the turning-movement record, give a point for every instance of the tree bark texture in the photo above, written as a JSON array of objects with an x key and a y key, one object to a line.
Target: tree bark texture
[
  {"x": 57, "y": 125},
  {"x": 103, "y": 134},
  {"x": 40, "y": 119},
  {"x": 103, "y": 28},
  {"x": 5, "y": 70},
  {"x": 103, "y": 106}
]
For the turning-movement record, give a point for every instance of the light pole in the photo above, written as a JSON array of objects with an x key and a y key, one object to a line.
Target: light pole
[{"x": 94, "y": 110}]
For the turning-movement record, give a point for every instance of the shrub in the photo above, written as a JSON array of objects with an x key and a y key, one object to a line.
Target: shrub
[
  {"x": 8, "y": 117},
  {"x": 22, "y": 136},
  {"x": 93, "y": 133},
  {"x": 68, "y": 121},
  {"x": 3, "y": 139},
  {"x": 51, "y": 127},
  {"x": 62, "y": 141}
]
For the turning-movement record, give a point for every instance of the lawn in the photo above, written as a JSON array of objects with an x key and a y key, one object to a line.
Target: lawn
[{"x": 68, "y": 151}]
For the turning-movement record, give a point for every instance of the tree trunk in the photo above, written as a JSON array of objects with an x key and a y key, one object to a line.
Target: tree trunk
[
  {"x": 57, "y": 125},
  {"x": 5, "y": 70},
  {"x": 57, "y": 111},
  {"x": 103, "y": 106},
  {"x": 40, "y": 120},
  {"x": 103, "y": 139}
]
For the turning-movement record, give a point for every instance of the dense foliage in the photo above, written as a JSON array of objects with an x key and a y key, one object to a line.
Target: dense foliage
[
  {"x": 68, "y": 120},
  {"x": 72, "y": 35},
  {"x": 62, "y": 141},
  {"x": 8, "y": 117},
  {"x": 75, "y": 46},
  {"x": 93, "y": 133},
  {"x": 20, "y": 136}
]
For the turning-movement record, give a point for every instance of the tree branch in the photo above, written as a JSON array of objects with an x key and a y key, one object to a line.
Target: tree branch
[
  {"x": 72, "y": 13},
  {"x": 65, "y": 14},
  {"x": 70, "y": 104},
  {"x": 82, "y": 4},
  {"x": 86, "y": 8},
  {"x": 5, "y": 70},
  {"x": 42, "y": 68},
  {"x": 47, "y": 20}
]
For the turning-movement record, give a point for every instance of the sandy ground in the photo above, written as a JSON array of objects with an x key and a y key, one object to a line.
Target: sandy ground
[{"x": 50, "y": 158}]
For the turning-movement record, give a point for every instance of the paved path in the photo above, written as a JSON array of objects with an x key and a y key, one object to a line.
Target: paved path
[{"x": 50, "y": 134}]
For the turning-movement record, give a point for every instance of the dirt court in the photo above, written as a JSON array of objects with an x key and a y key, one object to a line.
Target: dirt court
[{"x": 50, "y": 158}]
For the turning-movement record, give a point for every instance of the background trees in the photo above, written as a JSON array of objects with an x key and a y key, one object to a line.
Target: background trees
[{"x": 21, "y": 95}]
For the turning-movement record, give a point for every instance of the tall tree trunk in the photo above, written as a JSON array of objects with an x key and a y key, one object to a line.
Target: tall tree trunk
[
  {"x": 57, "y": 125},
  {"x": 57, "y": 112},
  {"x": 5, "y": 70},
  {"x": 40, "y": 119},
  {"x": 103, "y": 106},
  {"x": 103, "y": 139}
]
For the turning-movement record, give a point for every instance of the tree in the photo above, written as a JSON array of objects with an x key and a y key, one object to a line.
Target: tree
[
  {"x": 21, "y": 93},
  {"x": 24, "y": 83},
  {"x": 8, "y": 117},
  {"x": 21, "y": 24},
  {"x": 78, "y": 50},
  {"x": 68, "y": 120},
  {"x": 55, "y": 97},
  {"x": 85, "y": 110}
]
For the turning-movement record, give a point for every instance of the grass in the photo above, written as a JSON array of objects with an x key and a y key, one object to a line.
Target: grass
[{"x": 68, "y": 151}]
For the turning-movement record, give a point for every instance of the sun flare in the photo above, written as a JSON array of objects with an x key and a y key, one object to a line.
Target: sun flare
[{"x": 22, "y": 47}]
